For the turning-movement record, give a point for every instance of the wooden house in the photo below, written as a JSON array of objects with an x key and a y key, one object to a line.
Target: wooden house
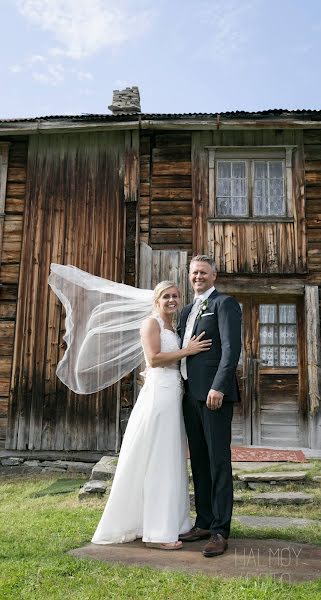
[{"x": 131, "y": 196}]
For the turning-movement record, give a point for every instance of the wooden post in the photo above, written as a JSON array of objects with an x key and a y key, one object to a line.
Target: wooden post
[{"x": 313, "y": 346}]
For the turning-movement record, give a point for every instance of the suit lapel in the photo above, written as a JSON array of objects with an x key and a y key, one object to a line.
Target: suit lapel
[
  {"x": 210, "y": 298},
  {"x": 185, "y": 314}
]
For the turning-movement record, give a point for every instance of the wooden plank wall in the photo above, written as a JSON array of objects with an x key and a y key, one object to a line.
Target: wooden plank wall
[
  {"x": 312, "y": 154},
  {"x": 74, "y": 214},
  {"x": 166, "y": 190},
  {"x": 9, "y": 273}
]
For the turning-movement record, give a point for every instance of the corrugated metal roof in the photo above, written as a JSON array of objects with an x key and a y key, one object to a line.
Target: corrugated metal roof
[{"x": 304, "y": 114}]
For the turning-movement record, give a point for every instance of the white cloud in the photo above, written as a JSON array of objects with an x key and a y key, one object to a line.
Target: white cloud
[
  {"x": 37, "y": 58},
  {"x": 45, "y": 71},
  {"x": 84, "y": 27},
  {"x": 83, "y": 75},
  {"x": 15, "y": 68},
  {"x": 227, "y": 20},
  {"x": 54, "y": 75}
]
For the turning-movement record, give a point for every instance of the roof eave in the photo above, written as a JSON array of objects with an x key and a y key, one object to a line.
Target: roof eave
[{"x": 39, "y": 126}]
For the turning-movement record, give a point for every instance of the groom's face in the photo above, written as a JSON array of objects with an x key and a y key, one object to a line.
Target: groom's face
[{"x": 201, "y": 276}]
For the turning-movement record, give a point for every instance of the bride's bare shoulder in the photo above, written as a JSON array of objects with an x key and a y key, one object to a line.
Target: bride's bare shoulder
[{"x": 150, "y": 326}]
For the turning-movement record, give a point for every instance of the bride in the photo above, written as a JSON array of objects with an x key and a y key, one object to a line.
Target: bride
[{"x": 149, "y": 498}]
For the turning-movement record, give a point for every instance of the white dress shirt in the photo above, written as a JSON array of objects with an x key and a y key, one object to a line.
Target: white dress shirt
[{"x": 190, "y": 325}]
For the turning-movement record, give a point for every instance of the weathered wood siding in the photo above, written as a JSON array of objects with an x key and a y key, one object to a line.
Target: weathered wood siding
[
  {"x": 75, "y": 213},
  {"x": 9, "y": 273},
  {"x": 166, "y": 191},
  {"x": 312, "y": 154}
]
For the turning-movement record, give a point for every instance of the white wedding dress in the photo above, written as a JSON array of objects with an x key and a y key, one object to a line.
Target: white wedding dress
[{"x": 149, "y": 498}]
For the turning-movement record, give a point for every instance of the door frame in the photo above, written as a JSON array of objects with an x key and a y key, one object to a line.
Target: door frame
[{"x": 250, "y": 374}]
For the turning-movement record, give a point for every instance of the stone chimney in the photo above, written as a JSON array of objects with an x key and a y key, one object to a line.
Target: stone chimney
[{"x": 125, "y": 101}]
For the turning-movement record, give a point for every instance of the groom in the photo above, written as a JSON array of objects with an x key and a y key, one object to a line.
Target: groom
[{"x": 210, "y": 390}]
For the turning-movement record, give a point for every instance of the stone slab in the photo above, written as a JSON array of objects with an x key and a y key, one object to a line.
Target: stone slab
[
  {"x": 283, "y": 498},
  {"x": 55, "y": 464},
  {"x": 53, "y": 470},
  {"x": 105, "y": 469},
  {"x": 280, "y": 559},
  {"x": 92, "y": 488},
  {"x": 11, "y": 462},
  {"x": 275, "y": 522},
  {"x": 79, "y": 467},
  {"x": 255, "y": 466},
  {"x": 273, "y": 476}
]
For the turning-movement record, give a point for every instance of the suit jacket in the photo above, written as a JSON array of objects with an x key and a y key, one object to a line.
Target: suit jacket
[{"x": 216, "y": 368}]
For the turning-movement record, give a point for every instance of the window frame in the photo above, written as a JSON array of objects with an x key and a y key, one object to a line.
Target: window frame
[
  {"x": 4, "y": 157},
  {"x": 276, "y": 327},
  {"x": 249, "y": 155}
]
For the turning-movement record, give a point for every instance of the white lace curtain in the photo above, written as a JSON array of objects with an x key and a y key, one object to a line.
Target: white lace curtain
[{"x": 278, "y": 335}]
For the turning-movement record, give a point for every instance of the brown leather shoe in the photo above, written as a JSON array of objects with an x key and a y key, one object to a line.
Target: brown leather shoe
[
  {"x": 216, "y": 546},
  {"x": 195, "y": 534}
]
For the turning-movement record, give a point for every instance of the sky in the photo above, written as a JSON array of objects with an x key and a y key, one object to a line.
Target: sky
[{"x": 65, "y": 57}]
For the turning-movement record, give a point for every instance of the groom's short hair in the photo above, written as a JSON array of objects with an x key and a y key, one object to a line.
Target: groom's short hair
[{"x": 204, "y": 258}]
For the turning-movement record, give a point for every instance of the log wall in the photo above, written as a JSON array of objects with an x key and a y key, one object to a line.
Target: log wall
[
  {"x": 166, "y": 191},
  {"x": 9, "y": 273}
]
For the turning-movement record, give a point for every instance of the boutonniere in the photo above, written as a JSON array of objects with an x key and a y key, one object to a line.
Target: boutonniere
[{"x": 202, "y": 309}]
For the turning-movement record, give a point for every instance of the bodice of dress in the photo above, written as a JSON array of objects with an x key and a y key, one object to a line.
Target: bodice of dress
[{"x": 170, "y": 342}]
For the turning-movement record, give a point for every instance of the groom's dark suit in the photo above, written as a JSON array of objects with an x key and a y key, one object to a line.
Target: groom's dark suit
[{"x": 209, "y": 431}]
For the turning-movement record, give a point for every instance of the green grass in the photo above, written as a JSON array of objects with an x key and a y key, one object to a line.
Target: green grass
[{"x": 36, "y": 533}]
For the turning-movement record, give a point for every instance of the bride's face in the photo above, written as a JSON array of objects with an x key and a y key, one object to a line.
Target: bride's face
[{"x": 169, "y": 300}]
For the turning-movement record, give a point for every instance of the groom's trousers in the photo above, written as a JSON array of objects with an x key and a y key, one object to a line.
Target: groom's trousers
[{"x": 209, "y": 439}]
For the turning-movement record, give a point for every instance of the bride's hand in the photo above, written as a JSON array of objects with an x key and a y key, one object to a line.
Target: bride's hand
[{"x": 196, "y": 345}]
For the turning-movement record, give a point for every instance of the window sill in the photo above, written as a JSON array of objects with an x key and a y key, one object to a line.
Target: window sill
[
  {"x": 264, "y": 370},
  {"x": 269, "y": 219}
]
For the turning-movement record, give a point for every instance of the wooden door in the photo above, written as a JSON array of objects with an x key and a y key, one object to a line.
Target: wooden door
[
  {"x": 156, "y": 266},
  {"x": 271, "y": 375}
]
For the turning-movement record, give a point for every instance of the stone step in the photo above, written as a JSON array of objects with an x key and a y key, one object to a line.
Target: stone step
[
  {"x": 105, "y": 469},
  {"x": 92, "y": 488},
  {"x": 266, "y": 522},
  {"x": 255, "y": 466},
  {"x": 11, "y": 461},
  {"x": 276, "y": 498},
  {"x": 273, "y": 477}
]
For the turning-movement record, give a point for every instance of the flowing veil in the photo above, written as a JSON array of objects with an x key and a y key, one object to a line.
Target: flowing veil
[{"x": 103, "y": 321}]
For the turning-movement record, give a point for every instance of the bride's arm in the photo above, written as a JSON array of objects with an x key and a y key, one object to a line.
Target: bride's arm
[{"x": 150, "y": 334}]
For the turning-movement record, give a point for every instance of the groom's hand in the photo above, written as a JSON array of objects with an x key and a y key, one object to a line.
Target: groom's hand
[{"x": 214, "y": 400}]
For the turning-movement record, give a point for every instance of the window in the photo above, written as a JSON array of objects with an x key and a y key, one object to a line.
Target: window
[
  {"x": 250, "y": 183},
  {"x": 231, "y": 188},
  {"x": 268, "y": 188},
  {"x": 4, "y": 150},
  {"x": 278, "y": 335}
]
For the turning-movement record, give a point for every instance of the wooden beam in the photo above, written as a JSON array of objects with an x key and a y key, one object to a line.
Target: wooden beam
[
  {"x": 183, "y": 124},
  {"x": 264, "y": 286},
  {"x": 313, "y": 346}
]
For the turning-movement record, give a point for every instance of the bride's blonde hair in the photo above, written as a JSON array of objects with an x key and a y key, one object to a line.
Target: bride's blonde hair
[{"x": 160, "y": 288}]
